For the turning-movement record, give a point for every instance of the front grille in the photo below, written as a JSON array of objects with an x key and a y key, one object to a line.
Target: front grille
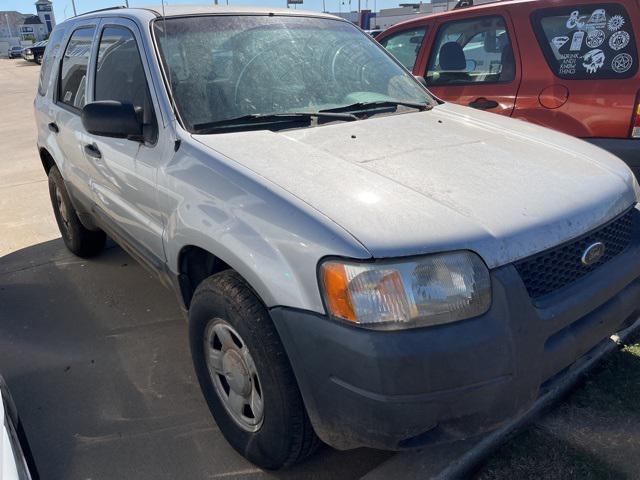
[{"x": 560, "y": 266}]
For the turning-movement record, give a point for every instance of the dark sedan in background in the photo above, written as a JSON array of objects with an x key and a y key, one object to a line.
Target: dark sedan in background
[
  {"x": 15, "y": 51},
  {"x": 35, "y": 52}
]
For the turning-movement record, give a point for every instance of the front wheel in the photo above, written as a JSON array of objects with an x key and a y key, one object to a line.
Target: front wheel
[
  {"x": 78, "y": 239},
  {"x": 245, "y": 375}
]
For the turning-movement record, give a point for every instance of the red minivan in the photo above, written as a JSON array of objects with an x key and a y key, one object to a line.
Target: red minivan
[{"x": 571, "y": 65}]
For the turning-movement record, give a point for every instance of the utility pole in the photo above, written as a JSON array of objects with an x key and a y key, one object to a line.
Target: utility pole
[
  {"x": 126, "y": 2},
  {"x": 6, "y": 17},
  {"x": 73, "y": 3}
]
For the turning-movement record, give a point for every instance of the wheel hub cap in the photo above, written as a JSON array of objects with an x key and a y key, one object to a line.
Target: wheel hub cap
[
  {"x": 62, "y": 208},
  {"x": 234, "y": 375},
  {"x": 236, "y": 372}
]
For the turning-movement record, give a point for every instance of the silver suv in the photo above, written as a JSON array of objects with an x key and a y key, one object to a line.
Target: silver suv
[{"x": 361, "y": 263}]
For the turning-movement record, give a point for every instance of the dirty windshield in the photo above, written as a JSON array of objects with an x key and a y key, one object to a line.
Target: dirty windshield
[{"x": 230, "y": 67}]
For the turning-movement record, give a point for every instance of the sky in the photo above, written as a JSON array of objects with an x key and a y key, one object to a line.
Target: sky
[{"x": 63, "y": 8}]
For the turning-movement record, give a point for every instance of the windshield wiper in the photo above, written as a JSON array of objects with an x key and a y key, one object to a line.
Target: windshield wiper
[
  {"x": 377, "y": 105},
  {"x": 260, "y": 120}
]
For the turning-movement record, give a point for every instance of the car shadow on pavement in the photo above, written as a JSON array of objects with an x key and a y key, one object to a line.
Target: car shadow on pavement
[{"x": 96, "y": 355}]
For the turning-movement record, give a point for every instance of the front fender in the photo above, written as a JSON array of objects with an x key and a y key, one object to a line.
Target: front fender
[{"x": 271, "y": 238}]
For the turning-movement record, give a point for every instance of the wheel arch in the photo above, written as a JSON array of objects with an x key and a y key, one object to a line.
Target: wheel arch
[
  {"x": 47, "y": 159},
  {"x": 195, "y": 264}
]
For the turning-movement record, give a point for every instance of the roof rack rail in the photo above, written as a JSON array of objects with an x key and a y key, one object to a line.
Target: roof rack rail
[{"x": 116, "y": 7}]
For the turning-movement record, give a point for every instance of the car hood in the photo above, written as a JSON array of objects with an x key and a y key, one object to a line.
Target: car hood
[{"x": 447, "y": 179}]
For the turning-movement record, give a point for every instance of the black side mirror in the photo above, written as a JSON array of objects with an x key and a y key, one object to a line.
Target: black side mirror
[{"x": 109, "y": 118}]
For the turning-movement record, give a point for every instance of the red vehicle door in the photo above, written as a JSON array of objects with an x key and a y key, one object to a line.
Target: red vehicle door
[
  {"x": 581, "y": 70},
  {"x": 473, "y": 59}
]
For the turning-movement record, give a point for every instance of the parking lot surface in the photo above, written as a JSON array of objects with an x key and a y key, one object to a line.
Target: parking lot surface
[{"x": 96, "y": 352}]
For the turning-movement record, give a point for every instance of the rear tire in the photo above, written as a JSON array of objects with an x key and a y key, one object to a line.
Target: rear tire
[
  {"x": 78, "y": 239},
  {"x": 278, "y": 432}
]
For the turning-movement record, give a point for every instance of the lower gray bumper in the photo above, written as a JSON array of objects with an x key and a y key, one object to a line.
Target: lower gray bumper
[{"x": 396, "y": 390}]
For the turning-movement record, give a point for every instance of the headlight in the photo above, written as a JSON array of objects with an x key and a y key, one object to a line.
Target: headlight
[
  {"x": 393, "y": 295},
  {"x": 28, "y": 51}
]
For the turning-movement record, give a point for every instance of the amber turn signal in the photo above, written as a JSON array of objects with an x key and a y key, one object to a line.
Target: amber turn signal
[{"x": 336, "y": 288}]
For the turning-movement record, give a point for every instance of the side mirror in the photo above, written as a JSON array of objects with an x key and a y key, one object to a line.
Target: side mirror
[{"x": 109, "y": 118}]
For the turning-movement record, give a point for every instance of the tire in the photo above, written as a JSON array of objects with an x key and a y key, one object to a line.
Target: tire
[
  {"x": 284, "y": 435},
  {"x": 38, "y": 59},
  {"x": 78, "y": 239}
]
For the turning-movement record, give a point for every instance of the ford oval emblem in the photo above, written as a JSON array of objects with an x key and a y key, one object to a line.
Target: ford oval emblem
[{"x": 593, "y": 253}]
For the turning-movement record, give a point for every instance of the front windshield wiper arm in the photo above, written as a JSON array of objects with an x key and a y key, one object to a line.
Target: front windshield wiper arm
[
  {"x": 375, "y": 105},
  {"x": 268, "y": 119}
]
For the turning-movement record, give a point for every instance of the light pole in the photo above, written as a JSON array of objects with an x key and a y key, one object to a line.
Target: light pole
[{"x": 6, "y": 17}]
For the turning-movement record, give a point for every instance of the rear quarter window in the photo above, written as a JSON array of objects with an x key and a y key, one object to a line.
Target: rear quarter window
[
  {"x": 582, "y": 42},
  {"x": 49, "y": 56}
]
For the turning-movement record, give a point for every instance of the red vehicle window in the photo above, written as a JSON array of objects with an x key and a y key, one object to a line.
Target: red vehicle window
[
  {"x": 587, "y": 41},
  {"x": 405, "y": 45},
  {"x": 470, "y": 51}
]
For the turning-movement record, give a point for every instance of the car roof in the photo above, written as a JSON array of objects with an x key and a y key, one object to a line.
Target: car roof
[
  {"x": 143, "y": 13},
  {"x": 480, "y": 9}
]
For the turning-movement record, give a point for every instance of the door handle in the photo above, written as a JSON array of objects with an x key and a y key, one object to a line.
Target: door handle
[
  {"x": 53, "y": 127},
  {"x": 92, "y": 151},
  {"x": 484, "y": 104}
]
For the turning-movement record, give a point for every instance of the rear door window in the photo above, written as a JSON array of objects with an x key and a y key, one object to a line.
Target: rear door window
[
  {"x": 476, "y": 50},
  {"x": 405, "y": 45},
  {"x": 73, "y": 71},
  {"x": 583, "y": 42}
]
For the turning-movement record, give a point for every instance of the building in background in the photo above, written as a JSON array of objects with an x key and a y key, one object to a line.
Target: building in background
[
  {"x": 10, "y": 23},
  {"x": 405, "y": 11},
  {"x": 23, "y": 28},
  {"x": 44, "y": 9},
  {"x": 33, "y": 29}
]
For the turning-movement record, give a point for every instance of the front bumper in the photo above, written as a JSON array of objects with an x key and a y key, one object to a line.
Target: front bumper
[
  {"x": 403, "y": 389},
  {"x": 627, "y": 149}
]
